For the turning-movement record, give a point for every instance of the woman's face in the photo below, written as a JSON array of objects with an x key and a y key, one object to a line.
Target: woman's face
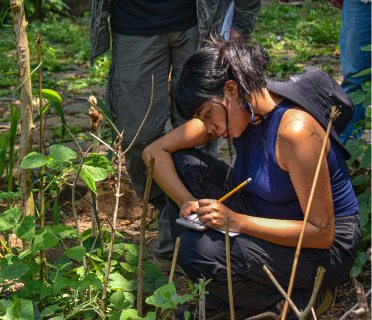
[{"x": 213, "y": 115}]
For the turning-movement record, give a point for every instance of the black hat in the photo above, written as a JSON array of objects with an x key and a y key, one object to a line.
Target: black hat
[{"x": 316, "y": 92}]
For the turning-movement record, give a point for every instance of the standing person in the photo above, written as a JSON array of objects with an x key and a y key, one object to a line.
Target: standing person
[
  {"x": 224, "y": 91},
  {"x": 355, "y": 34},
  {"x": 149, "y": 37}
]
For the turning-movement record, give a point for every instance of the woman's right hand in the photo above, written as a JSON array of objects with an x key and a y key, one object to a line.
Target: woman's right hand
[{"x": 188, "y": 207}]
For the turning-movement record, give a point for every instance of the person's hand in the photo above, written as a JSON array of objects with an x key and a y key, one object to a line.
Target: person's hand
[
  {"x": 233, "y": 34},
  {"x": 212, "y": 213},
  {"x": 188, "y": 207}
]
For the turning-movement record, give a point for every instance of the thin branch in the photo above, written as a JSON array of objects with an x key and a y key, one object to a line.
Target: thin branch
[
  {"x": 356, "y": 306},
  {"x": 334, "y": 114},
  {"x": 174, "y": 261},
  {"x": 66, "y": 129},
  {"x": 228, "y": 265},
  {"x": 142, "y": 235},
  {"x": 108, "y": 146}
]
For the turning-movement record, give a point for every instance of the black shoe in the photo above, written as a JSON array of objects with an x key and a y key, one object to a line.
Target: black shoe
[{"x": 210, "y": 314}]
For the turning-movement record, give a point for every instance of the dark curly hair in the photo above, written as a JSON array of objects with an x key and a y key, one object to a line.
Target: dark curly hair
[{"x": 205, "y": 73}]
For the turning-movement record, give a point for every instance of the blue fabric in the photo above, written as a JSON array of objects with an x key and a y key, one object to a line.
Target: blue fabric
[
  {"x": 271, "y": 189},
  {"x": 355, "y": 34}
]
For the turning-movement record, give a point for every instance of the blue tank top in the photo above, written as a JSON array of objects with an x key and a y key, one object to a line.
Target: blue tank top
[{"x": 271, "y": 188}]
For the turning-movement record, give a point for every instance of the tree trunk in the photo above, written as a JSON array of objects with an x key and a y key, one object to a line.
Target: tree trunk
[{"x": 25, "y": 96}]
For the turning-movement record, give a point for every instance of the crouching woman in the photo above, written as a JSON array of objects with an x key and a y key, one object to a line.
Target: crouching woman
[{"x": 223, "y": 91}]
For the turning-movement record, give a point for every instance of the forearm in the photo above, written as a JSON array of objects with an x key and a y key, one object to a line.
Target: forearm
[
  {"x": 284, "y": 232},
  {"x": 166, "y": 176}
]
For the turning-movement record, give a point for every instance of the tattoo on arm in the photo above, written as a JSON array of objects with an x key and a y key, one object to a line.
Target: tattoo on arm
[
  {"x": 326, "y": 225},
  {"x": 310, "y": 127}
]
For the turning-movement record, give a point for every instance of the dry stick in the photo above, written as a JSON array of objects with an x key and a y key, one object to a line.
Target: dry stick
[
  {"x": 228, "y": 263},
  {"x": 174, "y": 261},
  {"x": 142, "y": 235},
  {"x": 354, "y": 307},
  {"x": 318, "y": 282},
  {"x": 42, "y": 216},
  {"x": 202, "y": 301},
  {"x": 363, "y": 311},
  {"x": 334, "y": 114},
  {"x": 118, "y": 195}
]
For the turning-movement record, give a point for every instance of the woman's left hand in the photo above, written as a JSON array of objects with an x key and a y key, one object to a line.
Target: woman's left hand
[{"x": 213, "y": 213}]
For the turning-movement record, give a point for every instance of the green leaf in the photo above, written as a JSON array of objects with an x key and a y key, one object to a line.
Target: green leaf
[
  {"x": 366, "y": 161},
  {"x": 357, "y": 97},
  {"x": 363, "y": 258},
  {"x": 355, "y": 271},
  {"x": 9, "y": 259},
  {"x": 57, "y": 318},
  {"x": 362, "y": 73},
  {"x": 76, "y": 253},
  {"x": 98, "y": 166},
  {"x": 65, "y": 231},
  {"x": 360, "y": 180},
  {"x": 367, "y": 100},
  {"x": 57, "y": 107},
  {"x": 159, "y": 293},
  {"x": 14, "y": 271},
  {"x": 49, "y": 310},
  {"x": 34, "y": 160},
  {"x": 21, "y": 309},
  {"x": 117, "y": 281},
  {"x": 25, "y": 230},
  {"x": 92, "y": 280},
  {"x": 127, "y": 267},
  {"x": 9, "y": 219},
  {"x": 3, "y": 148},
  {"x": 153, "y": 272},
  {"x": 51, "y": 95},
  {"x": 62, "y": 153},
  {"x": 44, "y": 239},
  {"x": 60, "y": 283},
  {"x": 88, "y": 179},
  {"x": 34, "y": 269},
  {"x": 5, "y": 305},
  {"x": 10, "y": 194},
  {"x": 366, "y": 48},
  {"x": 132, "y": 314},
  {"x": 89, "y": 314},
  {"x": 120, "y": 301},
  {"x": 56, "y": 211},
  {"x": 355, "y": 147}
]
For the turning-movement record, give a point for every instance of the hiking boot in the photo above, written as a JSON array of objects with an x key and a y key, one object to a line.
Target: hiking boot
[
  {"x": 210, "y": 314},
  {"x": 166, "y": 265}
]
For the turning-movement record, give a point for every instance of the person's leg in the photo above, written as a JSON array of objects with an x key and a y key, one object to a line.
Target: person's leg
[
  {"x": 355, "y": 34},
  {"x": 128, "y": 95}
]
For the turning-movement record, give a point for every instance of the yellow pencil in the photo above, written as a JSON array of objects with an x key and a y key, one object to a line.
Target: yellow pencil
[
  {"x": 232, "y": 191},
  {"x": 236, "y": 189}
]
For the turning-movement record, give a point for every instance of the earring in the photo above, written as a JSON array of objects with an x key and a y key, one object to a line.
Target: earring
[{"x": 250, "y": 108}]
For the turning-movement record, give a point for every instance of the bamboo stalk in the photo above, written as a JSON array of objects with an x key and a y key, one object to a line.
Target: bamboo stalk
[
  {"x": 141, "y": 257},
  {"x": 228, "y": 264},
  {"x": 334, "y": 114},
  {"x": 174, "y": 261}
]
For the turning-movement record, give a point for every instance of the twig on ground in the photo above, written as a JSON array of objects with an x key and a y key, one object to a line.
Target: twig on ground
[
  {"x": 354, "y": 307},
  {"x": 202, "y": 301},
  {"x": 174, "y": 261},
  {"x": 334, "y": 114}
]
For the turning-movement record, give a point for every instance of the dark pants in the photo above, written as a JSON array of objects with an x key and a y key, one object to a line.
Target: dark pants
[{"x": 203, "y": 253}]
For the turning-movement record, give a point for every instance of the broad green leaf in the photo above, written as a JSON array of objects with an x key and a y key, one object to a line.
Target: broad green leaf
[
  {"x": 366, "y": 48},
  {"x": 120, "y": 300},
  {"x": 34, "y": 269},
  {"x": 44, "y": 239},
  {"x": 26, "y": 255},
  {"x": 34, "y": 160},
  {"x": 355, "y": 147},
  {"x": 9, "y": 259},
  {"x": 9, "y": 194},
  {"x": 159, "y": 282},
  {"x": 132, "y": 314},
  {"x": 114, "y": 315},
  {"x": 29, "y": 288},
  {"x": 117, "y": 281},
  {"x": 357, "y": 97},
  {"x": 56, "y": 211},
  {"x": 62, "y": 153},
  {"x": 89, "y": 314},
  {"x": 58, "y": 318},
  {"x": 365, "y": 213},
  {"x": 127, "y": 267},
  {"x": 54, "y": 164},
  {"x": 153, "y": 271},
  {"x": 92, "y": 280},
  {"x": 21, "y": 309},
  {"x": 362, "y": 73},
  {"x": 160, "y": 292},
  {"x": 366, "y": 161},
  {"x": 76, "y": 253},
  {"x": 25, "y": 230},
  {"x": 98, "y": 166},
  {"x": 50, "y": 310},
  {"x": 363, "y": 258},
  {"x": 5, "y": 305},
  {"x": 88, "y": 179},
  {"x": 60, "y": 283},
  {"x": 14, "y": 271},
  {"x": 9, "y": 219},
  {"x": 355, "y": 271},
  {"x": 51, "y": 95},
  {"x": 65, "y": 231},
  {"x": 360, "y": 180},
  {"x": 367, "y": 100}
]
